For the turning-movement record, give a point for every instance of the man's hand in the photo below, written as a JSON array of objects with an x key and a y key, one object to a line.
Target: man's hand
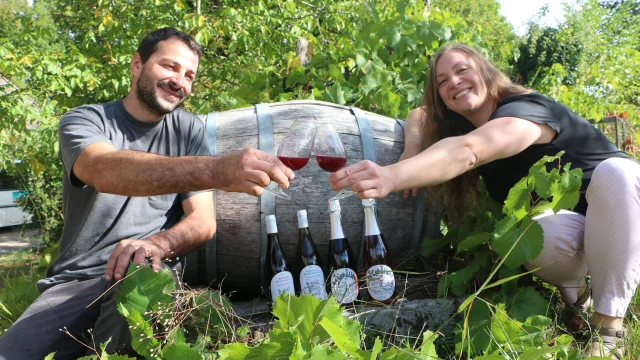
[
  {"x": 367, "y": 178},
  {"x": 249, "y": 171},
  {"x": 140, "y": 250}
]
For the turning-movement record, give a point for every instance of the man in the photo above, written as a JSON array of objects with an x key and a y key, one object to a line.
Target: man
[{"x": 132, "y": 168}]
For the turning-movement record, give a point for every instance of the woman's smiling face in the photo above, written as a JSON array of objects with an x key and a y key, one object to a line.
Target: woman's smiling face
[{"x": 459, "y": 84}]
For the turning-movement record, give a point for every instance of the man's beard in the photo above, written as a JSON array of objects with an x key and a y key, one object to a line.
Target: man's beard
[{"x": 147, "y": 92}]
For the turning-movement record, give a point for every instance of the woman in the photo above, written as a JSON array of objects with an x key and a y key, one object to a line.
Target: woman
[{"x": 475, "y": 121}]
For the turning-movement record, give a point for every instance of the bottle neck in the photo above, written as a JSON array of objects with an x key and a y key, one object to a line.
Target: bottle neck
[
  {"x": 370, "y": 223},
  {"x": 336, "y": 226}
]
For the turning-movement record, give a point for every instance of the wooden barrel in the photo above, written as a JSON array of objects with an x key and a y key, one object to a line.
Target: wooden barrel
[{"x": 234, "y": 258}]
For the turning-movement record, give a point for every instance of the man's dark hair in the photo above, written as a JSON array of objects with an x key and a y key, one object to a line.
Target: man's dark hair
[{"x": 149, "y": 44}]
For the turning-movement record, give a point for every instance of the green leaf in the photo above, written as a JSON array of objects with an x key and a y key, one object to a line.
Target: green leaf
[
  {"x": 518, "y": 201},
  {"x": 324, "y": 352},
  {"x": 377, "y": 348},
  {"x": 528, "y": 302},
  {"x": 335, "y": 94},
  {"x": 459, "y": 280},
  {"x": 503, "y": 329},
  {"x": 398, "y": 354},
  {"x": 179, "y": 352},
  {"x": 535, "y": 354},
  {"x": 303, "y": 314},
  {"x": 143, "y": 289},
  {"x": 142, "y": 339},
  {"x": 428, "y": 347},
  {"x": 517, "y": 242},
  {"x": 490, "y": 357},
  {"x": 343, "y": 340},
  {"x": 297, "y": 76},
  {"x": 567, "y": 194},
  {"x": 4, "y": 308},
  {"x": 235, "y": 351},
  {"x": 477, "y": 329},
  {"x": 473, "y": 241},
  {"x": 50, "y": 356}
]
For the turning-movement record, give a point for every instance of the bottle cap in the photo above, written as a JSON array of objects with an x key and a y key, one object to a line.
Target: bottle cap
[
  {"x": 334, "y": 205},
  {"x": 270, "y": 220},
  {"x": 302, "y": 219},
  {"x": 368, "y": 202}
]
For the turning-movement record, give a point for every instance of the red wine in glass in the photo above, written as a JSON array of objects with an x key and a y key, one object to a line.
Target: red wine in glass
[
  {"x": 330, "y": 163},
  {"x": 294, "y": 163},
  {"x": 330, "y": 153},
  {"x": 294, "y": 151}
]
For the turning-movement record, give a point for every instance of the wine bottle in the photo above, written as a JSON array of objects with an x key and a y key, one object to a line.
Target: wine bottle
[
  {"x": 276, "y": 266},
  {"x": 309, "y": 263},
  {"x": 376, "y": 260},
  {"x": 342, "y": 264}
]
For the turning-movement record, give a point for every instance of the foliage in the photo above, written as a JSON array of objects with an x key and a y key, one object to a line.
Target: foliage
[
  {"x": 594, "y": 65},
  {"x": 509, "y": 238},
  {"x": 18, "y": 288},
  {"x": 544, "y": 47}
]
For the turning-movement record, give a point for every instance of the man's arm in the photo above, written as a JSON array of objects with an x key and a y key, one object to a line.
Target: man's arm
[
  {"x": 136, "y": 173},
  {"x": 198, "y": 226}
]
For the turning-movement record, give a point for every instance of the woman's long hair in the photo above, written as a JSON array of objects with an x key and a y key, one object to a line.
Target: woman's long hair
[{"x": 461, "y": 192}]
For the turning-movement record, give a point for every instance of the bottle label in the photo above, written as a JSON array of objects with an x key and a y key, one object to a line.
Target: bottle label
[
  {"x": 312, "y": 282},
  {"x": 282, "y": 282},
  {"x": 344, "y": 285},
  {"x": 381, "y": 282}
]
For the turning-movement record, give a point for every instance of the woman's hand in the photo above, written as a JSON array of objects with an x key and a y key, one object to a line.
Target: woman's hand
[{"x": 367, "y": 178}]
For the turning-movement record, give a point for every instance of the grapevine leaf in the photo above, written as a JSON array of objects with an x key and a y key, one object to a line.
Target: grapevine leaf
[
  {"x": 517, "y": 244},
  {"x": 377, "y": 348},
  {"x": 534, "y": 354},
  {"x": 179, "y": 352},
  {"x": 303, "y": 314},
  {"x": 235, "y": 351},
  {"x": 543, "y": 179},
  {"x": 527, "y": 302},
  {"x": 567, "y": 193},
  {"x": 428, "y": 347},
  {"x": 518, "y": 201},
  {"x": 474, "y": 240},
  {"x": 279, "y": 345},
  {"x": 503, "y": 328},
  {"x": 143, "y": 289},
  {"x": 343, "y": 340},
  {"x": 335, "y": 94},
  {"x": 324, "y": 352},
  {"x": 397, "y": 354},
  {"x": 538, "y": 321},
  {"x": 142, "y": 339}
]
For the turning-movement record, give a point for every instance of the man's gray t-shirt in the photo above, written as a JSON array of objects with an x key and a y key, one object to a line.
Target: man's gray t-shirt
[{"x": 95, "y": 222}]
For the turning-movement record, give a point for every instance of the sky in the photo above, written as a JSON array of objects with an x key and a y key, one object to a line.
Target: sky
[{"x": 518, "y": 12}]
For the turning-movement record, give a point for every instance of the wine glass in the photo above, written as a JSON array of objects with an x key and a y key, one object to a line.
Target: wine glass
[
  {"x": 330, "y": 153},
  {"x": 294, "y": 151}
]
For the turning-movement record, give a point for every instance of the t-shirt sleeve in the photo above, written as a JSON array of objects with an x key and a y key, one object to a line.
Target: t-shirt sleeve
[
  {"x": 198, "y": 145},
  {"x": 529, "y": 108},
  {"x": 79, "y": 128}
]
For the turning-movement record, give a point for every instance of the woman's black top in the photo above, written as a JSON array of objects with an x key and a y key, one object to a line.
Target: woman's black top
[{"x": 585, "y": 146}]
